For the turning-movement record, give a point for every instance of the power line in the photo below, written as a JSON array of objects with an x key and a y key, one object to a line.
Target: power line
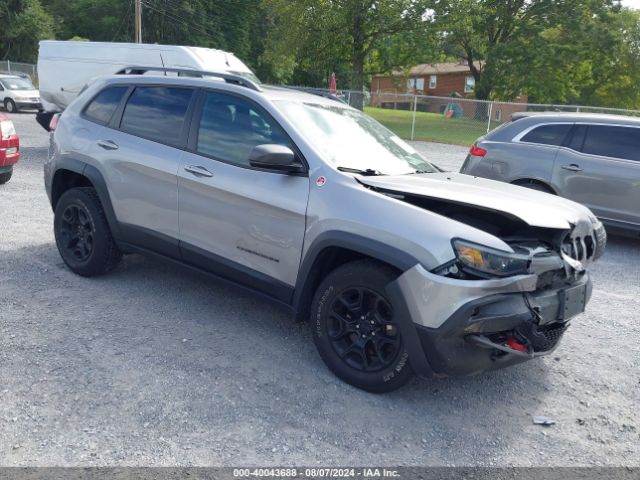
[
  {"x": 190, "y": 22},
  {"x": 124, "y": 19},
  {"x": 176, "y": 18}
]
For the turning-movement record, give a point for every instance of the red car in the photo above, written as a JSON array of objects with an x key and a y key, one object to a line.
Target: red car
[{"x": 9, "y": 148}]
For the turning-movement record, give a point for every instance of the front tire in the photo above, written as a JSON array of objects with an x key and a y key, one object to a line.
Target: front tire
[
  {"x": 355, "y": 330},
  {"x": 10, "y": 106},
  {"x": 82, "y": 233},
  {"x": 5, "y": 177}
]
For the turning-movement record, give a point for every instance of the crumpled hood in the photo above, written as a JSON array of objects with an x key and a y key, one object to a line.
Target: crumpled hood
[{"x": 537, "y": 209}]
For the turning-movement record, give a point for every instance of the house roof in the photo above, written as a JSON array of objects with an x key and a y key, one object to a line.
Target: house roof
[{"x": 435, "y": 69}]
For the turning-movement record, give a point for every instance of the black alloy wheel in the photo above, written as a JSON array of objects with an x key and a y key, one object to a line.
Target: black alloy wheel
[
  {"x": 362, "y": 331},
  {"x": 77, "y": 232}
]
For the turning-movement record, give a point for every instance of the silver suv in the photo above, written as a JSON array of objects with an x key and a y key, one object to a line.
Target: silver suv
[
  {"x": 401, "y": 267},
  {"x": 591, "y": 159}
]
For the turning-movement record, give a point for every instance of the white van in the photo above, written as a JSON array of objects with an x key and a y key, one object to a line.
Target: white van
[{"x": 66, "y": 67}]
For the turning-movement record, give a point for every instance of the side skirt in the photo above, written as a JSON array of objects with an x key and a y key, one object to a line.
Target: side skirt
[{"x": 246, "y": 287}]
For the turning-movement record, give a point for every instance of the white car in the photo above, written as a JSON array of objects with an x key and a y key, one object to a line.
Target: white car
[{"x": 17, "y": 91}]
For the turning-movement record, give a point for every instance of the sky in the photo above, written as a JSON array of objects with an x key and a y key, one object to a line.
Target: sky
[{"x": 631, "y": 3}]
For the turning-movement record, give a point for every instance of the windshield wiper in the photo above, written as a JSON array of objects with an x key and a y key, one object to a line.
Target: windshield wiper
[{"x": 369, "y": 172}]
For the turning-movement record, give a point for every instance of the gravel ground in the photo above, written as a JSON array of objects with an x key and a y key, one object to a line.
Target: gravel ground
[{"x": 155, "y": 365}]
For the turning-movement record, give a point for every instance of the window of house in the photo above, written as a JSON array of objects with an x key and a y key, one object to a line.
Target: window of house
[
  {"x": 157, "y": 113},
  {"x": 469, "y": 84},
  {"x": 415, "y": 84},
  {"x": 103, "y": 106},
  {"x": 613, "y": 141},
  {"x": 548, "y": 134},
  {"x": 433, "y": 81}
]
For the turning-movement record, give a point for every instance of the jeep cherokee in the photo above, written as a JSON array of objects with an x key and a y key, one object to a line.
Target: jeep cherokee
[{"x": 401, "y": 267}]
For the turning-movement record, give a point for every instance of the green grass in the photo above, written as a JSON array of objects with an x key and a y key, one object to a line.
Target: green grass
[{"x": 430, "y": 127}]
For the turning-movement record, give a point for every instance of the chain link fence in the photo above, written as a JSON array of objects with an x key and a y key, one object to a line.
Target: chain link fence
[
  {"x": 7, "y": 66},
  {"x": 452, "y": 120}
]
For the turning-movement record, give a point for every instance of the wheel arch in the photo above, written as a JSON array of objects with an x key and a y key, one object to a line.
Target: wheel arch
[
  {"x": 71, "y": 173},
  {"x": 333, "y": 249},
  {"x": 525, "y": 180}
]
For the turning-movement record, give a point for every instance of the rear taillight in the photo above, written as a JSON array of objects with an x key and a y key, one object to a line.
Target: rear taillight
[
  {"x": 7, "y": 129},
  {"x": 54, "y": 122},
  {"x": 476, "y": 151}
]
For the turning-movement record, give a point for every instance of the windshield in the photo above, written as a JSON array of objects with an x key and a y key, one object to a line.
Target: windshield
[
  {"x": 17, "y": 84},
  {"x": 352, "y": 140}
]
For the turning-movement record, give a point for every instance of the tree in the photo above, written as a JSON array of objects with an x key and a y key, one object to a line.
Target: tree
[
  {"x": 24, "y": 23},
  {"x": 510, "y": 44},
  {"x": 321, "y": 34}
]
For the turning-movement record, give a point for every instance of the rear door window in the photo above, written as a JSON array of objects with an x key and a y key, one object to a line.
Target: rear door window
[
  {"x": 102, "y": 107},
  {"x": 157, "y": 113},
  {"x": 548, "y": 134},
  {"x": 613, "y": 141}
]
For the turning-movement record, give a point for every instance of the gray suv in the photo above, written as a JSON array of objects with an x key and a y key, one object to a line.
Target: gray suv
[
  {"x": 401, "y": 267},
  {"x": 591, "y": 159}
]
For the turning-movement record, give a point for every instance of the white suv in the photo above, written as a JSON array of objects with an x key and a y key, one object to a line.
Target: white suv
[{"x": 17, "y": 91}]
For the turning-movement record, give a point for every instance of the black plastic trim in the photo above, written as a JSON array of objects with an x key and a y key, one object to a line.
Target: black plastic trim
[
  {"x": 160, "y": 243},
  {"x": 349, "y": 241},
  {"x": 235, "y": 272},
  {"x": 417, "y": 358},
  {"x": 132, "y": 248}
]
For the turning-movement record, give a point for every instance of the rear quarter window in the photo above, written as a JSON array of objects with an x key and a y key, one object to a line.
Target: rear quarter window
[
  {"x": 614, "y": 141},
  {"x": 548, "y": 134},
  {"x": 103, "y": 105}
]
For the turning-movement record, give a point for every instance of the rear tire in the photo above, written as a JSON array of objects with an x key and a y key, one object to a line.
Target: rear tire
[
  {"x": 354, "y": 328},
  {"x": 5, "y": 177},
  {"x": 10, "y": 106},
  {"x": 82, "y": 233}
]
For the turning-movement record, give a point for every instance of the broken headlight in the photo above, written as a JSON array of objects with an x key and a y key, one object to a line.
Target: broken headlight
[{"x": 489, "y": 261}]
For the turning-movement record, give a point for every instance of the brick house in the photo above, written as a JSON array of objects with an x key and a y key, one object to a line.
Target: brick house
[{"x": 452, "y": 81}]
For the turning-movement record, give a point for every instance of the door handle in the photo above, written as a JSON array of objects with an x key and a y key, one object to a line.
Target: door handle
[
  {"x": 108, "y": 144},
  {"x": 198, "y": 170},
  {"x": 572, "y": 168}
]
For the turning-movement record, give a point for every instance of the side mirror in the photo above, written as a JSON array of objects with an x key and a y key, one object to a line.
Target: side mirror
[{"x": 274, "y": 157}]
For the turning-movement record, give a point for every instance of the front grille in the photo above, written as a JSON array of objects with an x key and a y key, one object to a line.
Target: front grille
[{"x": 585, "y": 243}]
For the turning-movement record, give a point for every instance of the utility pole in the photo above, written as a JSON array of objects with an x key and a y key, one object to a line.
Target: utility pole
[{"x": 138, "y": 21}]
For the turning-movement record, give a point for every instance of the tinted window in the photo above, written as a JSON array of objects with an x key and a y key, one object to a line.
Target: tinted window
[
  {"x": 230, "y": 127},
  {"x": 157, "y": 113},
  {"x": 548, "y": 134},
  {"x": 576, "y": 139},
  {"x": 618, "y": 142},
  {"x": 104, "y": 104}
]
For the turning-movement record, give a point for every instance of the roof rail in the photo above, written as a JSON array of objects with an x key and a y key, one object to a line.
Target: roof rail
[{"x": 227, "y": 77}]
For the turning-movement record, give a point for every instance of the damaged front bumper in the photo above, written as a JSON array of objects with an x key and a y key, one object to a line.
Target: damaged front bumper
[{"x": 469, "y": 326}]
